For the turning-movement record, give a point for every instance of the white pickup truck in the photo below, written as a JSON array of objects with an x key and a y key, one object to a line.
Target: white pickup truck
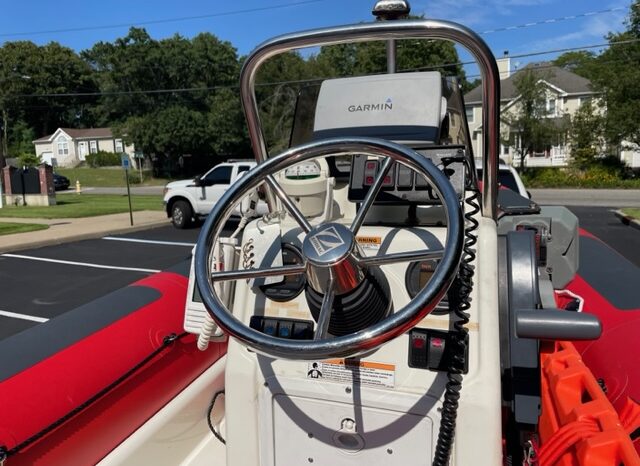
[{"x": 189, "y": 200}]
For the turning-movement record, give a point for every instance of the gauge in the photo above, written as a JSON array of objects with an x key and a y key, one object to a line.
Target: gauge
[
  {"x": 303, "y": 171},
  {"x": 292, "y": 285},
  {"x": 418, "y": 275}
]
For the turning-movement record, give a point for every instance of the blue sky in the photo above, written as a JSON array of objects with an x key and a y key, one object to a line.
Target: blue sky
[{"x": 22, "y": 20}]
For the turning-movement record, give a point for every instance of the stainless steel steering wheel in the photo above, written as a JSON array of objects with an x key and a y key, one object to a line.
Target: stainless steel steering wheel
[{"x": 331, "y": 258}]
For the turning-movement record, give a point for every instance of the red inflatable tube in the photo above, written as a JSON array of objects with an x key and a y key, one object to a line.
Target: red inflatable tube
[{"x": 38, "y": 396}]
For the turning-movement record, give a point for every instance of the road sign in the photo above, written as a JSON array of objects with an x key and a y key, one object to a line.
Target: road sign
[{"x": 126, "y": 164}]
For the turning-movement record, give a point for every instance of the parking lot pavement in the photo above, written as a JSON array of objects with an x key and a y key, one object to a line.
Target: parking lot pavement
[{"x": 39, "y": 284}]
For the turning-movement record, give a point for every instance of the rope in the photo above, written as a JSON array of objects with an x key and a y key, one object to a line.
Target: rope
[
  {"x": 166, "y": 342},
  {"x": 564, "y": 439}
]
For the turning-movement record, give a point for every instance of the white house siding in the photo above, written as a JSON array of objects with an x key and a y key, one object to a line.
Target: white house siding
[
  {"x": 631, "y": 156},
  {"x": 49, "y": 151},
  {"x": 106, "y": 145},
  {"x": 42, "y": 148}
]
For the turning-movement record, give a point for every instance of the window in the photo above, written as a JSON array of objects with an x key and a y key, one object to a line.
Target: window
[
  {"x": 93, "y": 147},
  {"x": 584, "y": 100},
  {"x": 63, "y": 148},
  {"x": 220, "y": 175},
  {"x": 119, "y": 146},
  {"x": 243, "y": 168},
  {"x": 505, "y": 149},
  {"x": 469, "y": 111},
  {"x": 551, "y": 106}
]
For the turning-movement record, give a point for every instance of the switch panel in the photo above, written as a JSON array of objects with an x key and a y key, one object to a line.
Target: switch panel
[
  {"x": 292, "y": 329},
  {"x": 402, "y": 185},
  {"x": 432, "y": 349}
]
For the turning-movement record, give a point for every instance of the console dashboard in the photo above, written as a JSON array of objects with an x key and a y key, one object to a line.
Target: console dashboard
[{"x": 402, "y": 185}]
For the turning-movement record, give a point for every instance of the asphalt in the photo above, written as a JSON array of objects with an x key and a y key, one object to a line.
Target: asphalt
[
  {"x": 66, "y": 230},
  {"x": 75, "y": 229}
]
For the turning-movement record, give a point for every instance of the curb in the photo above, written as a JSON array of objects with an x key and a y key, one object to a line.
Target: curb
[
  {"x": 82, "y": 236},
  {"x": 627, "y": 220}
]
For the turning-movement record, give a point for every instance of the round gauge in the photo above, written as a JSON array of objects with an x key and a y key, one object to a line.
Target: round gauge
[
  {"x": 292, "y": 285},
  {"x": 303, "y": 171},
  {"x": 418, "y": 275}
]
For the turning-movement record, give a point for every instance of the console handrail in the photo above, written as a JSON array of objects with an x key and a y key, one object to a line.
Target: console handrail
[{"x": 385, "y": 30}]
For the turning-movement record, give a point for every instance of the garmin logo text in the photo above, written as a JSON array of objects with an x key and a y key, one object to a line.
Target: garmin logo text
[{"x": 387, "y": 105}]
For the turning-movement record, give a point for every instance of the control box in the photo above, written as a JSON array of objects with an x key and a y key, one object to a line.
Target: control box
[{"x": 402, "y": 184}]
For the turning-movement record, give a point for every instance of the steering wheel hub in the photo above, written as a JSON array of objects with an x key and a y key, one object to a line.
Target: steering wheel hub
[{"x": 332, "y": 255}]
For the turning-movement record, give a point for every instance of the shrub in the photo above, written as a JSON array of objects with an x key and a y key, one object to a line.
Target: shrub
[
  {"x": 598, "y": 175},
  {"x": 134, "y": 176},
  {"x": 103, "y": 159},
  {"x": 28, "y": 160}
]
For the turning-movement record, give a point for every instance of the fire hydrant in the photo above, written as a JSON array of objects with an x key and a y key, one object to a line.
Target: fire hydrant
[{"x": 78, "y": 191}]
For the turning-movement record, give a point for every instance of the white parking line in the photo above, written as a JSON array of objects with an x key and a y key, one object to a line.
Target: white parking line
[
  {"x": 83, "y": 264},
  {"x": 150, "y": 241},
  {"x": 15, "y": 315}
]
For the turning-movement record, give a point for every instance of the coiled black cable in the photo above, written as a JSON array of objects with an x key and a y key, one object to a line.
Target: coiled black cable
[
  {"x": 460, "y": 303},
  {"x": 213, "y": 430}
]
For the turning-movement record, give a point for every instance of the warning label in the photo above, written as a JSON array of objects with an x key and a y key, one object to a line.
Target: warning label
[
  {"x": 353, "y": 371},
  {"x": 369, "y": 242}
]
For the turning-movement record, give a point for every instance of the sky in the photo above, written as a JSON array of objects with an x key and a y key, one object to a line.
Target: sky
[{"x": 80, "y": 23}]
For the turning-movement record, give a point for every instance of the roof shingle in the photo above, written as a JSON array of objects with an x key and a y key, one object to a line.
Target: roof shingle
[
  {"x": 87, "y": 133},
  {"x": 569, "y": 82}
]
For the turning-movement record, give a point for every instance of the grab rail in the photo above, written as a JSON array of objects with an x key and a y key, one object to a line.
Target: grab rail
[{"x": 405, "y": 29}]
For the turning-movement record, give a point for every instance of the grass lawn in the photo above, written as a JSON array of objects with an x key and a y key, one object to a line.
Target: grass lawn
[
  {"x": 110, "y": 177},
  {"x": 85, "y": 205},
  {"x": 11, "y": 228},
  {"x": 632, "y": 212}
]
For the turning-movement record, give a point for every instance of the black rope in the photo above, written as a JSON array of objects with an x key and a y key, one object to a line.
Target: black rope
[
  {"x": 460, "y": 303},
  {"x": 166, "y": 342},
  {"x": 209, "y": 411}
]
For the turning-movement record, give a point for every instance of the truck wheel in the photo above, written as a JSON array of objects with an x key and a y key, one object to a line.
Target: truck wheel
[{"x": 181, "y": 214}]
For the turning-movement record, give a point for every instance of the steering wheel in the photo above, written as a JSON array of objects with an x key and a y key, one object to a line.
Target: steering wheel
[{"x": 333, "y": 262}]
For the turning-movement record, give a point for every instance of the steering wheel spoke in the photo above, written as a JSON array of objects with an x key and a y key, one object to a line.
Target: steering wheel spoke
[
  {"x": 410, "y": 256},
  {"x": 289, "y": 204},
  {"x": 371, "y": 195},
  {"x": 257, "y": 273}
]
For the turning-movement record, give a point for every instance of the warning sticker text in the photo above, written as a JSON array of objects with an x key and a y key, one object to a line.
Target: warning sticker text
[{"x": 353, "y": 371}]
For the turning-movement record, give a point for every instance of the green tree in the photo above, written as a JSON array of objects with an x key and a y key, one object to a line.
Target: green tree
[
  {"x": 618, "y": 80},
  {"x": 583, "y": 63},
  {"x": 370, "y": 57},
  {"x": 278, "y": 85},
  {"x": 529, "y": 128},
  {"x": 586, "y": 135},
  {"x": 27, "y": 73},
  {"x": 195, "y": 111}
]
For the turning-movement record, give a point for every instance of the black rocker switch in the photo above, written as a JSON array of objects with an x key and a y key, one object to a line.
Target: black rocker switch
[{"x": 436, "y": 346}]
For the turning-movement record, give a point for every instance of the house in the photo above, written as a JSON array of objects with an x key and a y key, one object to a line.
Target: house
[
  {"x": 565, "y": 92},
  {"x": 67, "y": 147}
]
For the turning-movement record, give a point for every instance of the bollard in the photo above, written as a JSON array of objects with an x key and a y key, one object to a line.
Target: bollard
[{"x": 78, "y": 190}]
